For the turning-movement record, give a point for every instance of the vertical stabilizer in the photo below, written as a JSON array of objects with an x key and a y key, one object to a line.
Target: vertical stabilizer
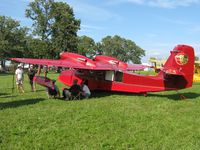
[{"x": 179, "y": 69}]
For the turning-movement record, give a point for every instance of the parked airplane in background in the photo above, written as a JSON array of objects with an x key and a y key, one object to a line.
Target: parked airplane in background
[{"x": 109, "y": 74}]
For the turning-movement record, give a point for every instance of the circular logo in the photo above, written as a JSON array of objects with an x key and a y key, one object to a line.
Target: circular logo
[{"x": 181, "y": 59}]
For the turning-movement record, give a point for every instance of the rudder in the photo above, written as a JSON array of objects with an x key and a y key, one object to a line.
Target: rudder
[{"x": 180, "y": 67}]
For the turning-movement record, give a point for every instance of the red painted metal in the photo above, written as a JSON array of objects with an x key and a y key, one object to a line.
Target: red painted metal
[
  {"x": 108, "y": 73},
  {"x": 176, "y": 74}
]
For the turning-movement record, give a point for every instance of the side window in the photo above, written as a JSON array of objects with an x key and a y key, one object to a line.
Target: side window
[
  {"x": 109, "y": 75},
  {"x": 118, "y": 76},
  {"x": 100, "y": 75}
]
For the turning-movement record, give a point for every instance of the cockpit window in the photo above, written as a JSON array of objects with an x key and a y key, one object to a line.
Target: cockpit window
[{"x": 118, "y": 76}]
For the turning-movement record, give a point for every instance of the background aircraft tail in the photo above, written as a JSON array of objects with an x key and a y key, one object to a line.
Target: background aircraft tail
[{"x": 179, "y": 68}]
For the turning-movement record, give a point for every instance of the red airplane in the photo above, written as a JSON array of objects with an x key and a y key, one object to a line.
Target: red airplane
[{"x": 109, "y": 74}]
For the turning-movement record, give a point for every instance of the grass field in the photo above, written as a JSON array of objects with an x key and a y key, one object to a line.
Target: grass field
[{"x": 106, "y": 121}]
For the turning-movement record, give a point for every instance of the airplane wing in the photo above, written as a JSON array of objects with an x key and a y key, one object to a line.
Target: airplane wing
[
  {"x": 76, "y": 61},
  {"x": 66, "y": 63},
  {"x": 136, "y": 67}
]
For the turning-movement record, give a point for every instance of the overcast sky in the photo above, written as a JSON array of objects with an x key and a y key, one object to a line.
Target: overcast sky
[{"x": 154, "y": 25}]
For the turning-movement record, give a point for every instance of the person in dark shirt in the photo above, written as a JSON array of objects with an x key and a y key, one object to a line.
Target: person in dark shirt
[
  {"x": 45, "y": 69},
  {"x": 31, "y": 74},
  {"x": 74, "y": 90}
]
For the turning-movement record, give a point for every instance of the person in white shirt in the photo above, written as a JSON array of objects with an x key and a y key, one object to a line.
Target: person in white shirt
[
  {"x": 19, "y": 78},
  {"x": 86, "y": 91}
]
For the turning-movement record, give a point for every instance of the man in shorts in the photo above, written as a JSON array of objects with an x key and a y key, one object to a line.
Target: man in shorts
[{"x": 19, "y": 78}]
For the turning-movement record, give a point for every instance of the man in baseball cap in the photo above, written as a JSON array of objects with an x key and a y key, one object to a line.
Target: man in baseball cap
[{"x": 19, "y": 78}]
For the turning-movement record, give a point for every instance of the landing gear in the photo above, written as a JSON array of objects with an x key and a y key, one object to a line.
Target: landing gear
[{"x": 182, "y": 97}]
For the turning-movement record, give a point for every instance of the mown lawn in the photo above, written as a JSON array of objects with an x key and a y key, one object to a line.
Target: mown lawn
[{"x": 106, "y": 121}]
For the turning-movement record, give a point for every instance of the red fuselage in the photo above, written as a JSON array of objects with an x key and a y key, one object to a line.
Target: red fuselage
[{"x": 124, "y": 81}]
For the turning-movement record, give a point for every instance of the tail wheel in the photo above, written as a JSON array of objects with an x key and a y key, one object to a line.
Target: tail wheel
[{"x": 182, "y": 97}]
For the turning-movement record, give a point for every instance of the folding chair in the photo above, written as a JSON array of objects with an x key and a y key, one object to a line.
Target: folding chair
[{"x": 76, "y": 97}]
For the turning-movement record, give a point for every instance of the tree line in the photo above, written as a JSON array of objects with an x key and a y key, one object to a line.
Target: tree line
[{"x": 54, "y": 30}]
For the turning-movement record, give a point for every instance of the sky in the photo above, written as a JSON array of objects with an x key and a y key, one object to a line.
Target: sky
[{"x": 157, "y": 26}]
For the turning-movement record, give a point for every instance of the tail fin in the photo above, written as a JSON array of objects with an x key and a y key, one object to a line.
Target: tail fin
[{"x": 179, "y": 68}]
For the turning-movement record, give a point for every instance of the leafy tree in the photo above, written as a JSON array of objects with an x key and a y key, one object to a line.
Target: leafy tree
[
  {"x": 40, "y": 12},
  {"x": 86, "y": 45},
  {"x": 55, "y": 24},
  {"x": 99, "y": 50},
  {"x": 12, "y": 39},
  {"x": 64, "y": 28},
  {"x": 123, "y": 49},
  {"x": 196, "y": 58},
  {"x": 36, "y": 48}
]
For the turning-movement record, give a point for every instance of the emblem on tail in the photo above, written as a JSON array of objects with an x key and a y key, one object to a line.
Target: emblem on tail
[{"x": 181, "y": 59}]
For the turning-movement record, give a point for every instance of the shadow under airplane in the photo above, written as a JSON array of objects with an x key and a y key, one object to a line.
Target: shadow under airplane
[{"x": 14, "y": 104}]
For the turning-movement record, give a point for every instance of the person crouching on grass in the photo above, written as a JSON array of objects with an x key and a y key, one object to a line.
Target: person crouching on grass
[
  {"x": 19, "y": 76},
  {"x": 74, "y": 90},
  {"x": 85, "y": 90},
  {"x": 53, "y": 91}
]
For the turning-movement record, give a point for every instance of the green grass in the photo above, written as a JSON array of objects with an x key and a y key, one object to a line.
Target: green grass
[{"x": 106, "y": 121}]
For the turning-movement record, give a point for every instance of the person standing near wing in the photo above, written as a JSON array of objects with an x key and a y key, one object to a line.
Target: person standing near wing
[
  {"x": 31, "y": 74},
  {"x": 19, "y": 78},
  {"x": 45, "y": 69}
]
